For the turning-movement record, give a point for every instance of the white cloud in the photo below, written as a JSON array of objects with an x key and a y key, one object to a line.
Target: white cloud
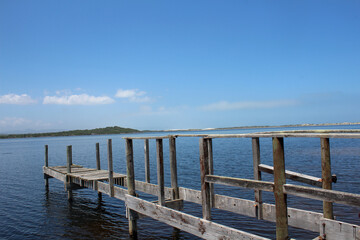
[
  {"x": 11, "y": 98},
  {"x": 82, "y": 99},
  {"x": 224, "y": 105},
  {"x": 133, "y": 95}
]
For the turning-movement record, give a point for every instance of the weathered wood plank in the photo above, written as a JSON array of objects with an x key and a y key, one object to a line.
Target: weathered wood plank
[
  {"x": 241, "y": 182},
  {"x": 54, "y": 174},
  {"x": 323, "y": 194},
  {"x": 98, "y": 164},
  {"x": 68, "y": 170},
  {"x": 299, "y": 177},
  {"x": 194, "y": 225},
  {"x": 211, "y": 170},
  {"x": 334, "y": 230}
]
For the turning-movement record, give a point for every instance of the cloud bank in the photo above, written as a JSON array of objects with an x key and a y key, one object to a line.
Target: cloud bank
[
  {"x": 82, "y": 99},
  {"x": 11, "y": 98}
]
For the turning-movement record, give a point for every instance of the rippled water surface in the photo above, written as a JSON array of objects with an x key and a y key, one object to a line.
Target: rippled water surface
[{"x": 28, "y": 211}]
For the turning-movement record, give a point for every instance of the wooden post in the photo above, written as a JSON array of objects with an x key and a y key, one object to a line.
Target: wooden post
[
  {"x": 204, "y": 170},
  {"x": 326, "y": 175},
  {"x": 131, "y": 185},
  {"x": 160, "y": 171},
  {"x": 257, "y": 176},
  {"x": 173, "y": 167},
  {"x": 111, "y": 169},
  {"x": 46, "y": 177},
  {"x": 69, "y": 163},
  {"x": 147, "y": 161},
  {"x": 211, "y": 171},
  {"x": 279, "y": 181},
  {"x": 98, "y": 167}
]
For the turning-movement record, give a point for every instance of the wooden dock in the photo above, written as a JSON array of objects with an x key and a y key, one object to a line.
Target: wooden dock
[{"x": 168, "y": 207}]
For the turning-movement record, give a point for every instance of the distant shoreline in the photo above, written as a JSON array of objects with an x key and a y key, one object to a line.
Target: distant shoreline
[{"x": 120, "y": 130}]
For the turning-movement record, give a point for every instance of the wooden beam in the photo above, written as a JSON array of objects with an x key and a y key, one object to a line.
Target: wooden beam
[
  {"x": 110, "y": 168},
  {"x": 211, "y": 170},
  {"x": 147, "y": 160},
  {"x": 280, "y": 196},
  {"x": 257, "y": 175},
  {"x": 131, "y": 185},
  {"x": 160, "y": 171},
  {"x": 186, "y": 222},
  {"x": 68, "y": 170},
  {"x": 204, "y": 171},
  {"x": 350, "y": 199},
  {"x": 173, "y": 167},
  {"x": 334, "y": 230},
  {"x": 97, "y": 147},
  {"x": 46, "y": 177},
  {"x": 241, "y": 182},
  {"x": 326, "y": 175},
  {"x": 299, "y": 177}
]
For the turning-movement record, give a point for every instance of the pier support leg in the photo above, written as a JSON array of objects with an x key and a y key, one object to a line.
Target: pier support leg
[
  {"x": 98, "y": 167},
  {"x": 147, "y": 160},
  {"x": 68, "y": 180},
  {"x": 257, "y": 176},
  {"x": 131, "y": 186},
  {"x": 46, "y": 177},
  {"x": 211, "y": 171},
  {"x": 326, "y": 175},
  {"x": 110, "y": 168},
  {"x": 204, "y": 170},
  {"x": 280, "y": 197}
]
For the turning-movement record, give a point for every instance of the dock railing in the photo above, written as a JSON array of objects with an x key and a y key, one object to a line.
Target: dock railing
[{"x": 168, "y": 207}]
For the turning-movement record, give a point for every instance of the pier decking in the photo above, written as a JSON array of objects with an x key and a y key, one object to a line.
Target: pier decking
[{"x": 168, "y": 207}]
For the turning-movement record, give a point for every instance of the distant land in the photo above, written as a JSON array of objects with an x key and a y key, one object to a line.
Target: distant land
[{"x": 121, "y": 130}]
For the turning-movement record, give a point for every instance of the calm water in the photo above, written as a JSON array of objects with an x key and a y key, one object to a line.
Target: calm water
[{"x": 28, "y": 211}]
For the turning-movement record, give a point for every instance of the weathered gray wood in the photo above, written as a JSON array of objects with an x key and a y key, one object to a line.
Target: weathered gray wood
[
  {"x": 211, "y": 170},
  {"x": 160, "y": 171},
  {"x": 110, "y": 168},
  {"x": 173, "y": 167},
  {"x": 350, "y": 199},
  {"x": 240, "y": 182},
  {"x": 334, "y": 230},
  {"x": 299, "y": 177},
  {"x": 190, "y": 195},
  {"x": 46, "y": 165},
  {"x": 257, "y": 175},
  {"x": 280, "y": 196},
  {"x": 131, "y": 184},
  {"x": 55, "y": 174},
  {"x": 68, "y": 170},
  {"x": 98, "y": 165},
  {"x": 147, "y": 160},
  {"x": 326, "y": 175},
  {"x": 196, "y": 226},
  {"x": 204, "y": 171}
]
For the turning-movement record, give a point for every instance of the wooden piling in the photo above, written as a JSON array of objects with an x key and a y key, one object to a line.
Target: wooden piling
[
  {"x": 257, "y": 176},
  {"x": 160, "y": 171},
  {"x": 131, "y": 186},
  {"x": 110, "y": 168},
  {"x": 204, "y": 170},
  {"x": 98, "y": 167},
  {"x": 46, "y": 177},
  {"x": 68, "y": 165},
  {"x": 173, "y": 167},
  {"x": 147, "y": 160},
  {"x": 326, "y": 175},
  {"x": 211, "y": 171},
  {"x": 279, "y": 181}
]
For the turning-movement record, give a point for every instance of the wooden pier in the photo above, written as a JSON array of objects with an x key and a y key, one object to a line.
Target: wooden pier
[{"x": 168, "y": 207}]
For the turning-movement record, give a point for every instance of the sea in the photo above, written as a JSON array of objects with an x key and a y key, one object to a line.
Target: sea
[{"x": 30, "y": 211}]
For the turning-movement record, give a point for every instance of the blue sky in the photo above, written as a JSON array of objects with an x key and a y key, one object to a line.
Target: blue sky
[{"x": 177, "y": 64}]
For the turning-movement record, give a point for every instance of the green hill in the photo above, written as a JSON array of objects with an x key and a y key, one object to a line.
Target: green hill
[{"x": 96, "y": 131}]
